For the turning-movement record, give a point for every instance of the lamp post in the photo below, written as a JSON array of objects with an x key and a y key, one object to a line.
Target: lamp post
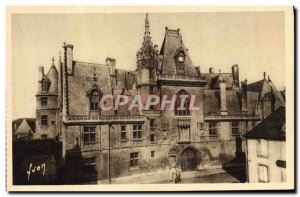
[{"x": 109, "y": 162}]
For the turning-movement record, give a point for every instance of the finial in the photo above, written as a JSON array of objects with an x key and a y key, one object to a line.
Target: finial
[
  {"x": 53, "y": 61},
  {"x": 269, "y": 78},
  {"x": 64, "y": 43},
  {"x": 264, "y": 74},
  {"x": 219, "y": 71},
  {"x": 95, "y": 78},
  {"x": 147, "y": 32}
]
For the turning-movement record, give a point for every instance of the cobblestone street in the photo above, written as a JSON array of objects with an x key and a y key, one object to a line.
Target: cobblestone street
[
  {"x": 223, "y": 177},
  {"x": 203, "y": 176}
]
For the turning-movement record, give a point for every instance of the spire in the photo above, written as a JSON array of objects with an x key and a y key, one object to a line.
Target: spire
[
  {"x": 264, "y": 74},
  {"x": 95, "y": 78},
  {"x": 147, "y": 32},
  {"x": 147, "y": 55},
  {"x": 53, "y": 65}
]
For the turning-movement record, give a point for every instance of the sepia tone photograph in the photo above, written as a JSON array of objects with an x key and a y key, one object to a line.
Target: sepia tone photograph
[{"x": 150, "y": 98}]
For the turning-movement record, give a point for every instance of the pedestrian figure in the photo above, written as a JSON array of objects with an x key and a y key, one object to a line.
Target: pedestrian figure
[{"x": 175, "y": 174}]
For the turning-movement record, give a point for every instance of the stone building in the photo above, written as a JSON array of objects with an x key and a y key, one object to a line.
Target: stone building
[
  {"x": 23, "y": 128},
  {"x": 120, "y": 141},
  {"x": 266, "y": 149}
]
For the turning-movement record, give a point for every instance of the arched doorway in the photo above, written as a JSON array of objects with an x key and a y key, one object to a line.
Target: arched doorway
[
  {"x": 189, "y": 160},
  {"x": 172, "y": 158}
]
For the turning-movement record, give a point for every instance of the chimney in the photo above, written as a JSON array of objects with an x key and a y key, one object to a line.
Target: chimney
[
  {"x": 211, "y": 70},
  {"x": 111, "y": 64},
  {"x": 198, "y": 70},
  {"x": 41, "y": 73},
  {"x": 244, "y": 96},
  {"x": 223, "y": 103},
  {"x": 235, "y": 75},
  {"x": 68, "y": 50}
]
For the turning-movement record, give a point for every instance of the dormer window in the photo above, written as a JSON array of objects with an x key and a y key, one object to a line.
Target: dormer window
[
  {"x": 45, "y": 85},
  {"x": 180, "y": 61},
  {"x": 94, "y": 101}
]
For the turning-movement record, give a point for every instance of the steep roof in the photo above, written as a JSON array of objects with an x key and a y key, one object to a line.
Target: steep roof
[
  {"x": 214, "y": 79},
  {"x": 125, "y": 79},
  {"x": 212, "y": 102},
  {"x": 123, "y": 110},
  {"x": 273, "y": 127},
  {"x": 85, "y": 75},
  {"x": 266, "y": 90},
  {"x": 52, "y": 75},
  {"x": 256, "y": 86},
  {"x": 18, "y": 122},
  {"x": 172, "y": 42}
]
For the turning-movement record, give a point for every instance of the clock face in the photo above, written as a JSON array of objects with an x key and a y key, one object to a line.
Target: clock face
[{"x": 180, "y": 59}]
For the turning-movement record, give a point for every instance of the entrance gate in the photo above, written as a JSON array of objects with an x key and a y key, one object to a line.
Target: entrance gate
[{"x": 189, "y": 160}]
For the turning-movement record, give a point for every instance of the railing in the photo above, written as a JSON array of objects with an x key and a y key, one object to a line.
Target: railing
[
  {"x": 210, "y": 138},
  {"x": 91, "y": 146},
  {"x": 180, "y": 77},
  {"x": 231, "y": 117},
  {"x": 172, "y": 31},
  {"x": 105, "y": 119},
  {"x": 152, "y": 112}
]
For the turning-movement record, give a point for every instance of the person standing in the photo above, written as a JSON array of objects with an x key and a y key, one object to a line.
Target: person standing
[{"x": 175, "y": 174}]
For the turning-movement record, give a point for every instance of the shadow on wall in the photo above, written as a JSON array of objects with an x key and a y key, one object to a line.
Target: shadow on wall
[
  {"x": 236, "y": 166},
  {"x": 77, "y": 170},
  {"x": 37, "y": 162}
]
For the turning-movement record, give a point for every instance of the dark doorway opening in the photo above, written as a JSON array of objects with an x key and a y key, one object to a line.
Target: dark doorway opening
[{"x": 189, "y": 160}]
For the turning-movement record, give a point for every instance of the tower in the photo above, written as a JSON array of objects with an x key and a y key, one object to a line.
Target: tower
[
  {"x": 147, "y": 64},
  {"x": 47, "y": 104}
]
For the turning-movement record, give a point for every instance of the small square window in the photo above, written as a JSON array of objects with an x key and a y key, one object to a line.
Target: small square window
[
  {"x": 89, "y": 134},
  {"x": 52, "y": 122},
  {"x": 263, "y": 173},
  {"x": 262, "y": 148},
  {"x": 91, "y": 161},
  {"x": 137, "y": 131},
  {"x": 123, "y": 132},
  {"x": 134, "y": 160},
  {"x": 152, "y": 137},
  {"x": 44, "y": 120},
  {"x": 44, "y": 136},
  {"x": 152, "y": 125},
  {"x": 164, "y": 126},
  {"x": 152, "y": 153},
  {"x": 235, "y": 128},
  {"x": 213, "y": 129},
  {"x": 44, "y": 101}
]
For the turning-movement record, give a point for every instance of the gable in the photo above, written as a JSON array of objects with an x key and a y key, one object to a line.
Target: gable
[
  {"x": 171, "y": 46},
  {"x": 24, "y": 127}
]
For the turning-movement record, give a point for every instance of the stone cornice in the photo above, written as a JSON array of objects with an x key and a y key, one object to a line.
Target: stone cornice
[
  {"x": 231, "y": 117},
  {"x": 111, "y": 119}
]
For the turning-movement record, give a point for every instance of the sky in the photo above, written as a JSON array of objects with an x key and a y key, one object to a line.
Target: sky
[{"x": 253, "y": 40}]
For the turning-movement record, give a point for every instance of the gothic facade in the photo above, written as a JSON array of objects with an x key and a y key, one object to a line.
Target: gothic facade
[{"x": 122, "y": 142}]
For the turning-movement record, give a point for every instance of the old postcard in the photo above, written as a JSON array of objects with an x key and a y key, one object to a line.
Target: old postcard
[{"x": 150, "y": 98}]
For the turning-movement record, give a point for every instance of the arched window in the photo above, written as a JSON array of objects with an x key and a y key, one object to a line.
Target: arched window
[
  {"x": 94, "y": 101},
  {"x": 44, "y": 85},
  {"x": 183, "y": 111}
]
